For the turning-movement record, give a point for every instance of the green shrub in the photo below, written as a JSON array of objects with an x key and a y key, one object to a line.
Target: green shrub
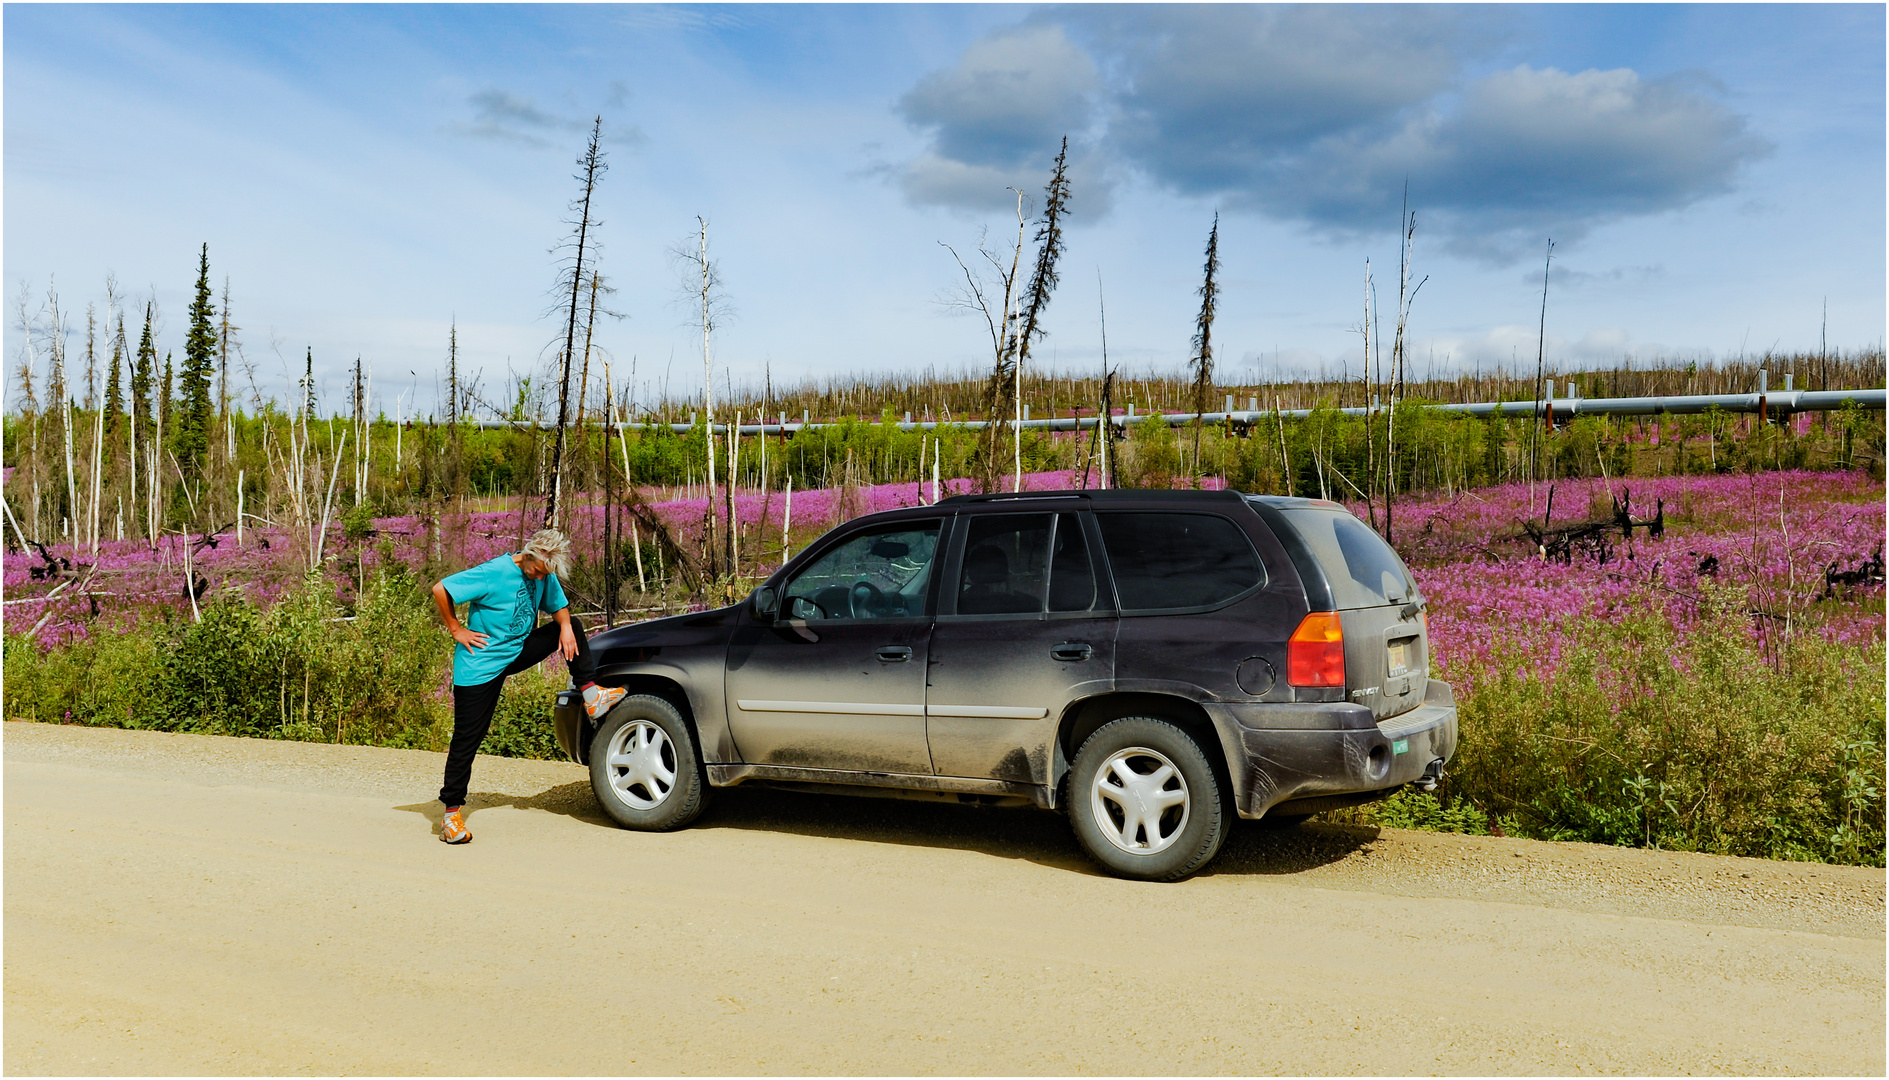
[
  {"x": 1412, "y": 809},
  {"x": 1643, "y": 738},
  {"x": 105, "y": 679},
  {"x": 521, "y": 726},
  {"x": 1152, "y": 457},
  {"x": 303, "y": 669}
]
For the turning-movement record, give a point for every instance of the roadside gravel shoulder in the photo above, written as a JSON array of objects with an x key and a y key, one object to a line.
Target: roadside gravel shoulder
[
  {"x": 1846, "y": 901},
  {"x": 188, "y": 905},
  {"x": 1843, "y": 901}
]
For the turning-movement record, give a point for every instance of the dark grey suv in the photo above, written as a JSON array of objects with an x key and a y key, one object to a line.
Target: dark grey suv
[{"x": 1152, "y": 662}]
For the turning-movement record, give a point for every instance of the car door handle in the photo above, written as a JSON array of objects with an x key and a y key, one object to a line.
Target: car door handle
[
  {"x": 1071, "y": 651},
  {"x": 893, "y": 654}
]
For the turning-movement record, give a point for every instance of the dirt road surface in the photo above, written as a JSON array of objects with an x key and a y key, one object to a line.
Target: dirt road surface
[{"x": 186, "y": 904}]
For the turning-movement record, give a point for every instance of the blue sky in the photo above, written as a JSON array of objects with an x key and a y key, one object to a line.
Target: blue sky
[{"x": 366, "y": 175}]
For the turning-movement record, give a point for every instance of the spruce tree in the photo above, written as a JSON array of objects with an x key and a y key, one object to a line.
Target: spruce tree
[
  {"x": 1202, "y": 360},
  {"x": 193, "y": 426},
  {"x": 114, "y": 391},
  {"x": 164, "y": 410},
  {"x": 142, "y": 369},
  {"x": 1006, "y": 378}
]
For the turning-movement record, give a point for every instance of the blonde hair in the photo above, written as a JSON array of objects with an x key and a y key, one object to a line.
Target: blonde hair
[{"x": 552, "y": 548}]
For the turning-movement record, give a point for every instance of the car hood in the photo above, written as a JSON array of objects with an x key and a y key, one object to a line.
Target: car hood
[{"x": 691, "y": 628}]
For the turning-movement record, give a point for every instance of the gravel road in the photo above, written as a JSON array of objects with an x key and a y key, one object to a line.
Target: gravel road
[{"x": 196, "y": 905}]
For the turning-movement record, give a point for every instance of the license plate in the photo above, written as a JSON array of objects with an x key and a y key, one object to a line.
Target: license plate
[{"x": 1400, "y": 658}]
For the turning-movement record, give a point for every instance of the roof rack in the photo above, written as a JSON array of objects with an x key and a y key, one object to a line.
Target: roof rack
[
  {"x": 1104, "y": 495},
  {"x": 999, "y": 496}
]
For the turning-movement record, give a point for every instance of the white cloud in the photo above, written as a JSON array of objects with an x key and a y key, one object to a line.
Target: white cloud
[
  {"x": 998, "y": 116},
  {"x": 1512, "y": 347},
  {"x": 1206, "y": 94},
  {"x": 1324, "y": 116}
]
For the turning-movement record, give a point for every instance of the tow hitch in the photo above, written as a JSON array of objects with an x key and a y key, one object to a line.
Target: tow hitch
[{"x": 1432, "y": 773}]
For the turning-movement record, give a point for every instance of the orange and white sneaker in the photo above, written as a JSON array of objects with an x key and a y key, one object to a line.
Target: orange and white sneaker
[
  {"x": 599, "y": 700},
  {"x": 452, "y": 828}
]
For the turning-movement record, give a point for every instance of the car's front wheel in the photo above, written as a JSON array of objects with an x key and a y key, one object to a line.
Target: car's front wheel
[
  {"x": 1144, "y": 800},
  {"x": 644, "y": 767}
]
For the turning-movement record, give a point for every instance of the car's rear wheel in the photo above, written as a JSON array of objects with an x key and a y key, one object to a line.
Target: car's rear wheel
[
  {"x": 1144, "y": 800},
  {"x": 644, "y": 767}
]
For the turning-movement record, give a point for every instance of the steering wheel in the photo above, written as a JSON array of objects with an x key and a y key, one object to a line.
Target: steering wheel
[{"x": 866, "y": 599}]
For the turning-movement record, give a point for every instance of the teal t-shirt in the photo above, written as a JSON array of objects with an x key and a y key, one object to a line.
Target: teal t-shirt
[{"x": 505, "y": 605}]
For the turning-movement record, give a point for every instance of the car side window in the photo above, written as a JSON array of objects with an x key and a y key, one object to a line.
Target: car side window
[
  {"x": 1006, "y": 564},
  {"x": 881, "y": 574},
  {"x": 1172, "y": 560},
  {"x": 1071, "y": 576}
]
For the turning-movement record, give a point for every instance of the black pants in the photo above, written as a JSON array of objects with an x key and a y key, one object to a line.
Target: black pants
[{"x": 473, "y": 706}]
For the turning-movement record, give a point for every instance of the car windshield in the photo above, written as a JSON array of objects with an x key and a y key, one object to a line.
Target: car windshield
[{"x": 1364, "y": 570}]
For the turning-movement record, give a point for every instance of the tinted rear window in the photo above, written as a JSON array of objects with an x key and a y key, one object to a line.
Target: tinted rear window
[
  {"x": 1363, "y": 569},
  {"x": 1177, "y": 560},
  {"x": 1006, "y": 565}
]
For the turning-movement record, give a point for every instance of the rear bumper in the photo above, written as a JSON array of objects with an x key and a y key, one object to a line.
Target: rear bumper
[{"x": 1285, "y": 753}]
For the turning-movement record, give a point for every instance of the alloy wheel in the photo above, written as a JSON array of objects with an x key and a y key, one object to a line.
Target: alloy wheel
[
  {"x": 641, "y": 765},
  {"x": 1140, "y": 800}
]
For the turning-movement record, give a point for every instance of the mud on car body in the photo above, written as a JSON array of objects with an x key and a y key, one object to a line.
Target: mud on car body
[{"x": 1152, "y": 663}]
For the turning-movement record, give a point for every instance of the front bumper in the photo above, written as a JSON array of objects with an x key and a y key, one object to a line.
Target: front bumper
[
  {"x": 1289, "y": 753},
  {"x": 567, "y": 719}
]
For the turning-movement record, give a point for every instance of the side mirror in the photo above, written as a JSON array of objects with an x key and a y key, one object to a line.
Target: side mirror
[{"x": 765, "y": 603}]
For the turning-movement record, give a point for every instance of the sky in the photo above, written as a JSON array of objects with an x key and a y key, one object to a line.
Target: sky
[{"x": 368, "y": 177}]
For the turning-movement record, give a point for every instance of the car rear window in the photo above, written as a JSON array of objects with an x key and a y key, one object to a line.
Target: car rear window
[
  {"x": 1364, "y": 570},
  {"x": 1177, "y": 560}
]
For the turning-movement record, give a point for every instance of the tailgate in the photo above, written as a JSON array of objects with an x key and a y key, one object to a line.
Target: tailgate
[{"x": 1387, "y": 659}]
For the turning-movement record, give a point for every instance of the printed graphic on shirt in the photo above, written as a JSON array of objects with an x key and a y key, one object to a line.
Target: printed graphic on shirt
[{"x": 524, "y": 611}]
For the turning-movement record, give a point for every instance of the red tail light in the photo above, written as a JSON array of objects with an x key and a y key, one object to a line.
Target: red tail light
[{"x": 1315, "y": 655}]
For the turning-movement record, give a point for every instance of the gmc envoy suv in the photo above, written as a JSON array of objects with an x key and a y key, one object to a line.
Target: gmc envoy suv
[{"x": 1150, "y": 662}]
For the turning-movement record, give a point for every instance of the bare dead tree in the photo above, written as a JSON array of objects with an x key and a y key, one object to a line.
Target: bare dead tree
[
  {"x": 1406, "y": 296},
  {"x": 702, "y": 287},
  {"x": 591, "y": 167},
  {"x": 1203, "y": 338},
  {"x": 94, "y": 402},
  {"x": 1099, "y": 444},
  {"x": 26, "y": 399},
  {"x": 226, "y": 343},
  {"x": 1541, "y": 351},
  {"x": 991, "y": 293},
  {"x": 360, "y": 426},
  {"x": 1370, "y": 401},
  {"x": 592, "y": 309},
  {"x": 60, "y": 392}
]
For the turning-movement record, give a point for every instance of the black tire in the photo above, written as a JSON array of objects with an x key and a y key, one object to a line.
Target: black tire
[
  {"x": 1184, "y": 834},
  {"x": 655, "y": 782}
]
